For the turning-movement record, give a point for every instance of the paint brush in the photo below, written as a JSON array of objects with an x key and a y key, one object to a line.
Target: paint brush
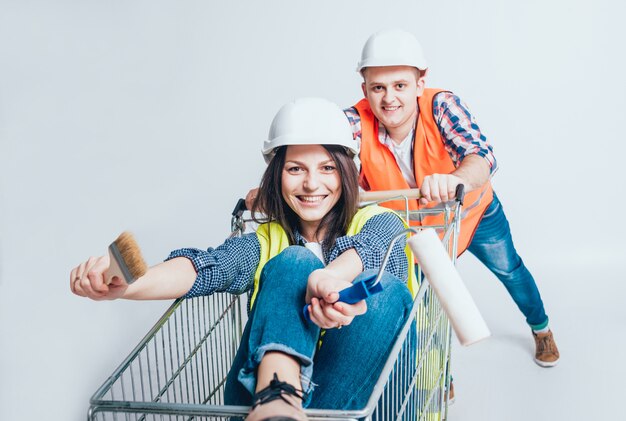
[{"x": 127, "y": 262}]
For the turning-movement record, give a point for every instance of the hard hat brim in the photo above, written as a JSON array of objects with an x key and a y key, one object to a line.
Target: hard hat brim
[
  {"x": 421, "y": 65},
  {"x": 268, "y": 153}
]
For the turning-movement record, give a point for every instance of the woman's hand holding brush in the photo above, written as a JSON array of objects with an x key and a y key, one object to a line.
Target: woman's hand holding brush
[{"x": 88, "y": 280}]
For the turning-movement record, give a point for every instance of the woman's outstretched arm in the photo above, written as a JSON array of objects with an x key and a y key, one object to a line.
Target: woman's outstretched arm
[
  {"x": 186, "y": 272},
  {"x": 168, "y": 280}
]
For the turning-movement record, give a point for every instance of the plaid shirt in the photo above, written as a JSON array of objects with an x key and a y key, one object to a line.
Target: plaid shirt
[
  {"x": 231, "y": 266},
  {"x": 459, "y": 131}
]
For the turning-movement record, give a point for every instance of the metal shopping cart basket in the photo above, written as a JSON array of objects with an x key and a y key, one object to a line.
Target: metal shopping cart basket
[{"x": 178, "y": 370}]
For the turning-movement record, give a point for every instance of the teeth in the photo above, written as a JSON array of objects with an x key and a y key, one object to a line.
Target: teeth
[
  {"x": 391, "y": 108},
  {"x": 311, "y": 199}
]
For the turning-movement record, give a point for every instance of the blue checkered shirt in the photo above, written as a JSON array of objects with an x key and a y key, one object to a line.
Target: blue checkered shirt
[
  {"x": 457, "y": 126},
  {"x": 231, "y": 266}
]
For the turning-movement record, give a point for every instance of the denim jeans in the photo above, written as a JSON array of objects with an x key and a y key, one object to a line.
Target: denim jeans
[
  {"x": 493, "y": 246},
  {"x": 344, "y": 369}
]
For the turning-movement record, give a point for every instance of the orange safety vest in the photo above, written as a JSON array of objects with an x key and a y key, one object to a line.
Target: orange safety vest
[{"x": 380, "y": 171}]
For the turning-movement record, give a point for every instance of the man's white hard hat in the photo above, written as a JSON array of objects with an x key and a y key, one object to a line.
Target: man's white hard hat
[
  {"x": 392, "y": 47},
  {"x": 309, "y": 121}
]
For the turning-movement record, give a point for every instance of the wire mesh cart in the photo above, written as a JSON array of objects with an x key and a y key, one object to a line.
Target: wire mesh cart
[{"x": 178, "y": 370}]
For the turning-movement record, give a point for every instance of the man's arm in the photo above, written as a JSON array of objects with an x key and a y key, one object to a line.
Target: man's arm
[
  {"x": 468, "y": 149},
  {"x": 474, "y": 171}
]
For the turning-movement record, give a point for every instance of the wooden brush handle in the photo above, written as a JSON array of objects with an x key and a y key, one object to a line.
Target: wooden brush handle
[
  {"x": 374, "y": 196},
  {"x": 113, "y": 270}
]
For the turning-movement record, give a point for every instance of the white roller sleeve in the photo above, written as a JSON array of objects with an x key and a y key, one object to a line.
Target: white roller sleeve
[{"x": 468, "y": 324}]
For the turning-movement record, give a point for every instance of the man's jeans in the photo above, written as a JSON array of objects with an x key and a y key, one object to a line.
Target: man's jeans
[
  {"x": 346, "y": 366},
  {"x": 493, "y": 246}
]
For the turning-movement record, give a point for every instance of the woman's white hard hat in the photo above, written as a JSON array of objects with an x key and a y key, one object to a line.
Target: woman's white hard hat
[
  {"x": 392, "y": 47},
  {"x": 309, "y": 121}
]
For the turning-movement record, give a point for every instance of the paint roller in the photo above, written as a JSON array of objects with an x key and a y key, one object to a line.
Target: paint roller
[{"x": 444, "y": 279}]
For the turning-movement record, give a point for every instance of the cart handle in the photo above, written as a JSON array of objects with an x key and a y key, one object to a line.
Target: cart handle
[
  {"x": 240, "y": 208},
  {"x": 372, "y": 196},
  {"x": 377, "y": 196}
]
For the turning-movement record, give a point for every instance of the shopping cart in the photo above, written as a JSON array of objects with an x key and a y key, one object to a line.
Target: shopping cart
[{"x": 178, "y": 370}]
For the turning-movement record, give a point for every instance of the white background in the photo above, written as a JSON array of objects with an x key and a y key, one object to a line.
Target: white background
[{"x": 149, "y": 116}]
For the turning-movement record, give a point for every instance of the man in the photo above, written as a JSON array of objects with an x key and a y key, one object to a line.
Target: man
[{"x": 414, "y": 137}]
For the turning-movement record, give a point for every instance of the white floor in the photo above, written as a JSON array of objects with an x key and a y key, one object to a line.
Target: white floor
[{"x": 497, "y": 378}]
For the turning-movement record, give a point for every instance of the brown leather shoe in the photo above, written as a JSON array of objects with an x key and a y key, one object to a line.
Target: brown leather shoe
[
  {"x": 450, "y": 393},
  {"x": 279, "y": 401},
  {"x": 546, "y": 352}
]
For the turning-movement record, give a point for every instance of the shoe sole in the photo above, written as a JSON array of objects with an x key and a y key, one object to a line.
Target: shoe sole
[
  {"x": 279, "y": 419},
  {"x": 545, "y": 363}
]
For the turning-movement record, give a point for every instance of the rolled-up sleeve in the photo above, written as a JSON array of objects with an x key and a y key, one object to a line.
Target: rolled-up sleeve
[
  {"x": 372, "y": 242},
  {"x": 355, "y": 123},
  {"x": 227, "y": 268},
  {"x": 462, "y": 135}
]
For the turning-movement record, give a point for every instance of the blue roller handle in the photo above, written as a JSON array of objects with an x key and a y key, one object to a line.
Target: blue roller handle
[{"x": 355, "y": 293}]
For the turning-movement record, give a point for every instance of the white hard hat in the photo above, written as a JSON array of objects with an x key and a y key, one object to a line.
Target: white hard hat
[
  {"x": 309, "y": 121},
  {"x": 392, "y": 47}
]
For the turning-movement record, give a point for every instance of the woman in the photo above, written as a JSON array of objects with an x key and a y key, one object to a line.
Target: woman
[{"x": 309, "y": 192}]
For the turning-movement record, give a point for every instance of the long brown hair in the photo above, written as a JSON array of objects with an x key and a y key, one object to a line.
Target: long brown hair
[{"x": 270, "y": 198}]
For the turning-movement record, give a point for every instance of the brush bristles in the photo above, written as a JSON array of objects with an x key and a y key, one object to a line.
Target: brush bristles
[{"x": 131, "y": 254}]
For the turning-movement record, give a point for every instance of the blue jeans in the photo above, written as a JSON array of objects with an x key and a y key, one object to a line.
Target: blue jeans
[
  {"x": 493, "y": 246},
  {"x": 346, "y": 366}
]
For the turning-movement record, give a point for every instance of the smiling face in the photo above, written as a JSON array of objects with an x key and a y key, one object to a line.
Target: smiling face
[
  {"x": 392, "y": 93},
  {"x": 311, "y": 186}
]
